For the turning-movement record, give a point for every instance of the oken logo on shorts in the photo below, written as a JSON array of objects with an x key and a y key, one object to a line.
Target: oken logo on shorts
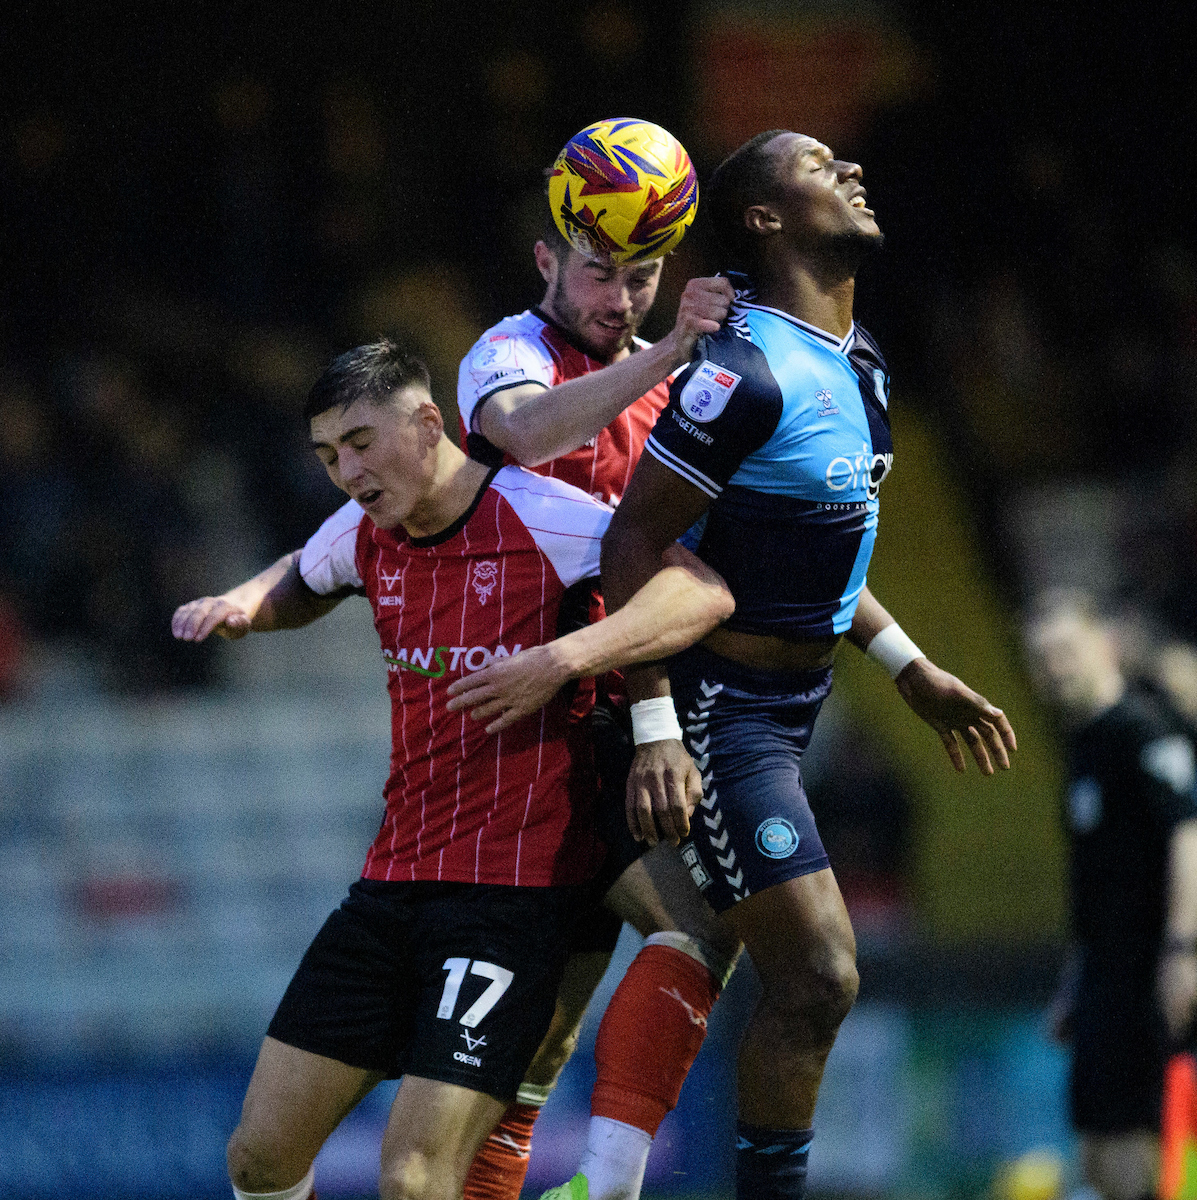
[{"x": 776, "y": 838}]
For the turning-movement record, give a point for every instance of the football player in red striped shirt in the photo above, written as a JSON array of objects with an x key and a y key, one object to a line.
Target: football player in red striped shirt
[
  {"x": 443, "y": 962},
  {"x": 568, "y": 389}
]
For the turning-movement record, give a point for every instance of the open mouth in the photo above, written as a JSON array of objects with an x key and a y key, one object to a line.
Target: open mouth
[
  {"x": 858, "y": 202},
  {"x": 368, "y": 498}
]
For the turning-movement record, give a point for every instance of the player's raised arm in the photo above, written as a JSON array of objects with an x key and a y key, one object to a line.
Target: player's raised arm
[
  {"x": 946, "y": 703},
  {"x": 680, "y": 604},
  {"x": 276, "y": 598},
  {"x": 535, "y": 424}
]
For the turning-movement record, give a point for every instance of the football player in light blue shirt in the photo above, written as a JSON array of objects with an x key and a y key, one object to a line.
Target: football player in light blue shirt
[{"x": 777, "y": 434}]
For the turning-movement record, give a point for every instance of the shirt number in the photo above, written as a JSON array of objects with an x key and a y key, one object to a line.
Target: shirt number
[{"x": 500, "y": 980}]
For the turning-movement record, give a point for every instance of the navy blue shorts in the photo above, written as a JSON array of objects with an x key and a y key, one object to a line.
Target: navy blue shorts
[{"x": 747, "y": 730}]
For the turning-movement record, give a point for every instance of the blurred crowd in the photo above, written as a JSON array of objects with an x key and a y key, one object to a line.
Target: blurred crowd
[{"x": 193, "y": 231}]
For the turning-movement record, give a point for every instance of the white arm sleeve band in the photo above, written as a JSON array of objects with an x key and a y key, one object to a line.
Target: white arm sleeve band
[{"x": 893, "y": 650}]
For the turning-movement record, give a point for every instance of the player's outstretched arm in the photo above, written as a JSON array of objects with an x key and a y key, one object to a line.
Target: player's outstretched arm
[
  {"x": 276, "y": 598},
  {"x": 535, "y": 425},
  {"x": 946, "y": 703},
  {"x": 680, "y": 604},
  {"x": 1177, "y": 983}
]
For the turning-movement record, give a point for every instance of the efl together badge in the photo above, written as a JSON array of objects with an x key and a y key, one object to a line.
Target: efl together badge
[{"x": 707, "y": 392}]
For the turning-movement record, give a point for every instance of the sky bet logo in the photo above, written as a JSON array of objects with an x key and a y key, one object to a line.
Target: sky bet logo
[
  {"x": 863, "y": 469},
  {"x": 431, "y": 662},
  {"x": 706, "y": 394}
]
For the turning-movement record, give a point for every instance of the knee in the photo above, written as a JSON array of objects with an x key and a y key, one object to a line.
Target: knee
[
  {"x": 414, "y": 1175},
  {"x": 258, "y": 1162},
  {"x": 814, "y": 1000}
]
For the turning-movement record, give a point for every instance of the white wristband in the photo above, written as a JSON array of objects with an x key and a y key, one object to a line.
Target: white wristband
[
  {"x": 893, "y": 650},
  {"x": 655, "y": 721}
]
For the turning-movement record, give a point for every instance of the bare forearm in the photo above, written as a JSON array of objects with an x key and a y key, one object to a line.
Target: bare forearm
[
  {"x": 277, "y": 598},
  {"x": 1181, "y": 920},
  {"x": 868, "y": 621},
  {"x": 562, "y": 418},
  {"x": 630, "y": 557},
  {"x": 673, "y": 610}
]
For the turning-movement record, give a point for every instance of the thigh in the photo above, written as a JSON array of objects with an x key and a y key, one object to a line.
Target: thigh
[
  {"x": 488, "y": 962},
  {"x": 658, "y": 893},
  {"x": 799, "y": 928},
  {"x": 295, "y": 1099},
  {"x": 432, "y": 1135},
  {"x": 583, "y": 971}
]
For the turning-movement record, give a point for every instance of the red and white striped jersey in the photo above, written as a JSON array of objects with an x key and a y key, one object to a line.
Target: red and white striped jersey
[
  {"x": 464, "y": 805},
  {"x": 530, "y": 348}
]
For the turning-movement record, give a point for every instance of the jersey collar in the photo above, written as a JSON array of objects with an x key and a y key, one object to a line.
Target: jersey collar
[
  {"x": 744, "y": 299},
  {"x": 843, "y": 345}
]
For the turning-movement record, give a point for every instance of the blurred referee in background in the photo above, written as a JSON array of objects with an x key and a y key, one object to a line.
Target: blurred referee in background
[{"x": 1131, "y": 983}]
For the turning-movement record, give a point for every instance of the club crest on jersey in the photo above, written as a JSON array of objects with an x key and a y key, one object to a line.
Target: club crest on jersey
[
  {"x": 485, "y": 575},
  {"x": 706, "y": 394}
]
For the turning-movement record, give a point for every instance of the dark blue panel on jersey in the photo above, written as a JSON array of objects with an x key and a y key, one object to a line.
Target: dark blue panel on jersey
[
  {"x": 869, "y": 364},
  {"x": 707, "y": 450},
  {"x": 787, "y": 577}
]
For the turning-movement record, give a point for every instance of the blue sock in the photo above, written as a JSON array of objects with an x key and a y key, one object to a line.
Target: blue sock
[{"x": 771, "y": 1163}]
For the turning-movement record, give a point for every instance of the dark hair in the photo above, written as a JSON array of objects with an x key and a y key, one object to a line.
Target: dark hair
[
  {"x": 377, "y": 371},
  {"x": 747, "y": 176}
]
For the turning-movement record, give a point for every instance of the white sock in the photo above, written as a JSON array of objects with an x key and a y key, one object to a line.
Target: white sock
[
  {"x": 615, "y": 1158},
  {"x": 301, "y": 1191}
]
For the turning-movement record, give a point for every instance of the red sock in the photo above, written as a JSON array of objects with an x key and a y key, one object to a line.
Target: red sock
[
  {"x": 650, "y": 1035},
  {"x": 499, "y": 1167}
]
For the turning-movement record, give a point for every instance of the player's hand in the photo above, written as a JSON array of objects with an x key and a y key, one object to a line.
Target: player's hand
[
  {"x": 509, "y": 689},
  {"x": 663, "y": 787},
  {"x": 955, "y": 711},
  {"x": 702, "y": 309},
  {"x": 193, "y": 622},
  {"x": 1176, "y": 988}
]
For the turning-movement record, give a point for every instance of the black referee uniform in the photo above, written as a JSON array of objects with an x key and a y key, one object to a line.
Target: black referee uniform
[{"x": 1131, "y": 782}]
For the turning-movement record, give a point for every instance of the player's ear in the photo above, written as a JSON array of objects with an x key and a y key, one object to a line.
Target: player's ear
[
  {"x": 761, "y": 219},
  {"x": 546, "y": 262},
  {"x": 431, "y": 419}
]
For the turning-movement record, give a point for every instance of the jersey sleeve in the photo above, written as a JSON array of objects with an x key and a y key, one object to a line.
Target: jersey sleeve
[
  {"x": 722, "y": 407},
  {"x": 1169, "y": 768},
  {"x": 328, "y": 561},
  {"x": 497, "y": 361},
  {"x": 566, "y": 524}
]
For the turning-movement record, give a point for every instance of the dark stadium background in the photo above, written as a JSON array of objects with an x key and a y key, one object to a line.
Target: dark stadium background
[{"x": 202, "y": 203}]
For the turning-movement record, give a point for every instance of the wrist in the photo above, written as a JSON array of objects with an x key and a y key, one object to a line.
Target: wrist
[
  {"x": 654, "y": 720},
  {"x": 893, "y": 649}
]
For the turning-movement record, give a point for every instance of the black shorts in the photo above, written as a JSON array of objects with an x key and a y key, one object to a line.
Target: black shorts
[
  {"x": 597, "y": 930},
  {"x": 450, "y": 981},
  {"x": 1119, "y": 1049}
]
